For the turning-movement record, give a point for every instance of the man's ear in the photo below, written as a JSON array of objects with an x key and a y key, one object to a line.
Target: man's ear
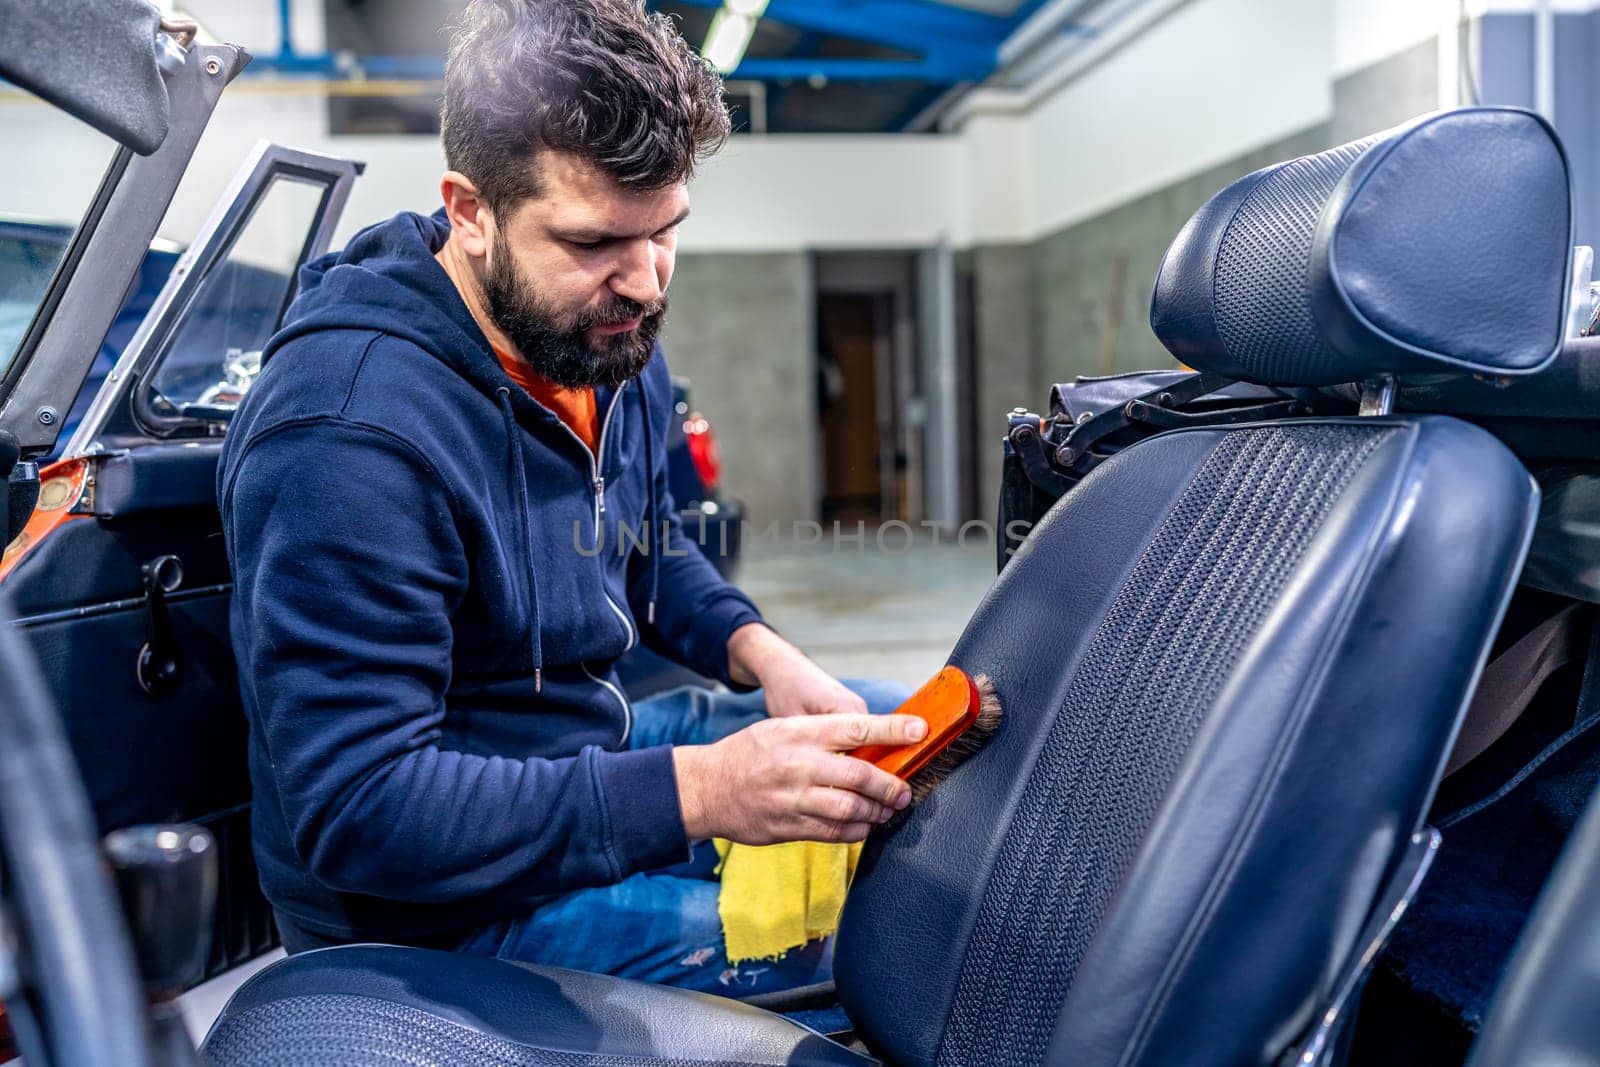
[{"x": 471, "y": 221}]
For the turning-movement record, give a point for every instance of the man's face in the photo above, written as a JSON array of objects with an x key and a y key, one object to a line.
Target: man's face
[{"x": 577, "y": 277}]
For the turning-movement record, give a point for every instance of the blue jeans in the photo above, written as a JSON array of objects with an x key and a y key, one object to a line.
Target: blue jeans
[{"x": 662, "y": 926}]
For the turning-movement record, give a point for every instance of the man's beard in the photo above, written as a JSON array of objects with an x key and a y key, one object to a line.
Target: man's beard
[{"x": 559, "y": 350}]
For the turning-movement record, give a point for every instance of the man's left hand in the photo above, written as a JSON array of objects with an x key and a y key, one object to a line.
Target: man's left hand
[{"x": 791, "y": 682}]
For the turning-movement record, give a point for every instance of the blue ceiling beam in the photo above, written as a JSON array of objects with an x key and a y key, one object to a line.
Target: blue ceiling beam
[
  {"x": 934, "y": 70},
  {"x": 952, "y": 45},
  {"x": 855, "y": 17},
  {"x": 1025, "y": 11},
  {"x": 911, "y": 25}
]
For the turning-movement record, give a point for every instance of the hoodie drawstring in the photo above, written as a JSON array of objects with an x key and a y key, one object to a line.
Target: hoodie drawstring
[
  {"x": 652, "y": 543},
  {"x": 519, "y": 479}
]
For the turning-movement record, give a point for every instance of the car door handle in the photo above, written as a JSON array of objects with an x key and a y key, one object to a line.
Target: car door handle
[{"x": 160, "y": 664}]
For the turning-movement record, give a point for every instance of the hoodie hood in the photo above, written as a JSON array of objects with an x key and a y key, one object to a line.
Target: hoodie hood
[{"x": 386, "y": 279}]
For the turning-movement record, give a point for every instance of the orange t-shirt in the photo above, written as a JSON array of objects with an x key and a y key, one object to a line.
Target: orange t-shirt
[{"x": 575, "y": 407}]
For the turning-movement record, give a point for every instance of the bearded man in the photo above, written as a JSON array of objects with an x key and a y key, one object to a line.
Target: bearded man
[{"x": 460, "y": 409}]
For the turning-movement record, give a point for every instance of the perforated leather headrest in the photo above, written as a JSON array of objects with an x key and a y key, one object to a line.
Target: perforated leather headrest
[{"x": 1443, "y": 245}]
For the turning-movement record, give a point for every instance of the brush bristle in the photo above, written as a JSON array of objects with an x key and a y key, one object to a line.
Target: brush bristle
[{"x": 961, "y": 749}]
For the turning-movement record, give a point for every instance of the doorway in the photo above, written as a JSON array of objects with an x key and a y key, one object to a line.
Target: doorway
[
  {"x": 852, "y": 342},
  {"x": 865, "y": 387}
]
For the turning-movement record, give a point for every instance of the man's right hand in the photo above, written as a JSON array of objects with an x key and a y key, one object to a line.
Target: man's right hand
[{"x": 791, "y": 780}]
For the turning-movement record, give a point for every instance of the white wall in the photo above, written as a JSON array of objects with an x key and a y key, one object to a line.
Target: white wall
[
  {"x": 55, "y": 162},
  {"x": 793, "y": 192},
  {"x": 1209, "y": 81},
  {"x": 759, "y": 194},
  {"x": 254, "y": 23},
  {"x": 1206, "y": 84},
  {"x": 999, "y": 155},
  {"x": 1367, "y": 31}
]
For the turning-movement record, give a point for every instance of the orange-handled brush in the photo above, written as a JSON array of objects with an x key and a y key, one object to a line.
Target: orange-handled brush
[{"x": 962, "y": 712}]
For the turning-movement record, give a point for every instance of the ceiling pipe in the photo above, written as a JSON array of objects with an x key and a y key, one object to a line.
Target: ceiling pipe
[
  {"x": 1051, "y": 26},
  {"x": 928, "y": 117},
  {"x": 1110, "y": 27},
  {"x": 1048, "y": 21}
]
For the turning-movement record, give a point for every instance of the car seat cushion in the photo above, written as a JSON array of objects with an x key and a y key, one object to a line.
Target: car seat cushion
[{"x": 384, "y": 1004}]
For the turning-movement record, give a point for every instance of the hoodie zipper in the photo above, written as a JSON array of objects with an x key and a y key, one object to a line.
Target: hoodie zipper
[
  {"x": 597, "y": 482},
  {"x": 627, "y": 708}
]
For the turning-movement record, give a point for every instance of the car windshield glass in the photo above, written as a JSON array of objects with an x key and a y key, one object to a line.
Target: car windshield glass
[
  {"x": 216, "y": 351},
  {"x": 37, "y": 218}
]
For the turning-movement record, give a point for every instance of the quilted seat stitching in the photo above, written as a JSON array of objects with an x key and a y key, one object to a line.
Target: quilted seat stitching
[{"x": 1226, "y": 547}]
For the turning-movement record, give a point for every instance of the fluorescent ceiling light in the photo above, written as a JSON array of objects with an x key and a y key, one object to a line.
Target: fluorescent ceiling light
[{"x": 727, "y": 39}]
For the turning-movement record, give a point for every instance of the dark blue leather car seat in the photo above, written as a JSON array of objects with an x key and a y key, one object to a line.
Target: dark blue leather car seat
[{"x": 1232, "y": 661}]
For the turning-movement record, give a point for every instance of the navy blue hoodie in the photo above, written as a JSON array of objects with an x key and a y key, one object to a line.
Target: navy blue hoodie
[{"x": 433, "y": 578}]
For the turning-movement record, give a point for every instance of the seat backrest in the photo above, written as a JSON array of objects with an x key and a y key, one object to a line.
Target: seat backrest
[{"x": 1232, "y": 661}]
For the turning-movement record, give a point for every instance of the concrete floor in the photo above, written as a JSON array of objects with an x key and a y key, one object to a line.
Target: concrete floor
[
  {"x": 860, "y": 611},
  {"x": 866, "y": 612}
]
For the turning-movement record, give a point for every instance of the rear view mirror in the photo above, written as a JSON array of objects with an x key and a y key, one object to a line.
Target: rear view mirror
[{"x": 98, "y": 60}]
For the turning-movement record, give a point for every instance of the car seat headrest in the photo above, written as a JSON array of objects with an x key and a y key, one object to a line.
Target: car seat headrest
[{"x": 1441, "y": 246}]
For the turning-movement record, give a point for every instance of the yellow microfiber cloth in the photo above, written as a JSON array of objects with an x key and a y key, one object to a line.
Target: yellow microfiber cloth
[{"x": 778, "y": 897}]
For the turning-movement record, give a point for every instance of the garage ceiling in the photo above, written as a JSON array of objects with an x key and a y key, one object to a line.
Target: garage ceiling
[
  {"x": 812, "y": 66},
  {"x": 856, "y": 66}
]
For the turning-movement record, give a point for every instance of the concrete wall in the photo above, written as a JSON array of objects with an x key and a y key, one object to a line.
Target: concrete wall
[
  {"x": 741, "y": 327},
  {"x": 1385, "y": 94},
  {"x": 1077, "y": 301},
  {"x": 1092, "y": 280},
  {"x": 1007, "y": 352},
  {"x": 1122, "y": 151}
]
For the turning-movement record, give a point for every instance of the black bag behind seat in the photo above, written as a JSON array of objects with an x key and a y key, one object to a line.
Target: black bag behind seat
[{"x": 1232, "y": 661}]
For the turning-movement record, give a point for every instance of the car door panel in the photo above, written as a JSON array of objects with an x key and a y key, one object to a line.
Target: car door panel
[
  {"x": 150, "y": 758},
  {"x": 124, "y": 566}
]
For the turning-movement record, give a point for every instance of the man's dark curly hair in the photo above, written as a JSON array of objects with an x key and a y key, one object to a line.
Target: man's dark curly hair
[{"x": 602, "y": 80}]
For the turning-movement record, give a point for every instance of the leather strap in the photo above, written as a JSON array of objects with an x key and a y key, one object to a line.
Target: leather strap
[{"x": 1510, "y": 682}]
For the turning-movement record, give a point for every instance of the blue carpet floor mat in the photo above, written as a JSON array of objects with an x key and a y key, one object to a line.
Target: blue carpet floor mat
[{"x": 1504, "y": 818}]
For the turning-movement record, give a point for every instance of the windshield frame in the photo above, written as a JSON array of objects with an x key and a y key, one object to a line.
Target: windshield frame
[
  {"x": 104, "y": 254},
  {"x": 122, "y": 409}
]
